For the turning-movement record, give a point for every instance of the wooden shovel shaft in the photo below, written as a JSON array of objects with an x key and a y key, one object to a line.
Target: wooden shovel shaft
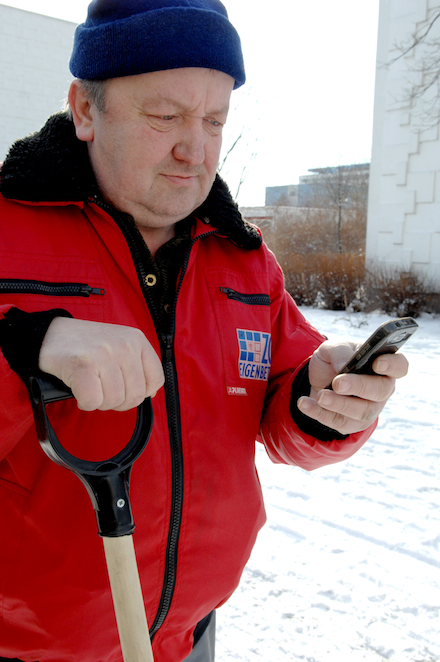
[{"x": 127, "y": 599}]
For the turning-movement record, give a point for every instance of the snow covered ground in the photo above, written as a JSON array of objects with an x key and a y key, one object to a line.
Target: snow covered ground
[{"x": 348, "y": 564}]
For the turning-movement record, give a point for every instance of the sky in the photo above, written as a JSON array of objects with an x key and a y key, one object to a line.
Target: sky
[{"x": 308, "y": 100}]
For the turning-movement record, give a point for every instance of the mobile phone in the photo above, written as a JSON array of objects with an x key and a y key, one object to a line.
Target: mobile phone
[{"x": 387, "y": 339}]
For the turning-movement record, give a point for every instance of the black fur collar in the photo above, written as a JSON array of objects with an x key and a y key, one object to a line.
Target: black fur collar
[{"x": 52, "y": 165}]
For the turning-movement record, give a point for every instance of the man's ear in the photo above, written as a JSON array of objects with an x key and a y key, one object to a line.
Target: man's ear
[{"x": 81, "y": 111}]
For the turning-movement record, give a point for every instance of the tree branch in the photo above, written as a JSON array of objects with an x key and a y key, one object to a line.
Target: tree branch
[
  {"x": 416, "y": 40},
  {"x": 230, "y": 150}
]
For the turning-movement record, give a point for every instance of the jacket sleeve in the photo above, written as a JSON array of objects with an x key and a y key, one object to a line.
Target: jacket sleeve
[
  {"x": 15, "y": 407},
  {"x": 293, "y": 342},
  {"x": 21, "y": 336}
]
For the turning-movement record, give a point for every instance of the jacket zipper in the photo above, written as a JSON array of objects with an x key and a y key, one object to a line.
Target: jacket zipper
[
  {"x": 250, "y": 299},
  {"x": 175, "y": 431},
  {"x": 18, "y": 286},
  {"x": 173, "y": 414},
  {"x": 177, "y": 487}
]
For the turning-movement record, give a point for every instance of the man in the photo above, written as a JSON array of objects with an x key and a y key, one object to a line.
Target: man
[{"x": 125, "y": 265}]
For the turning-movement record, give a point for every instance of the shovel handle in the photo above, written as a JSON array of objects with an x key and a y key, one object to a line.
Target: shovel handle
[{"x": 127, "y": 599}]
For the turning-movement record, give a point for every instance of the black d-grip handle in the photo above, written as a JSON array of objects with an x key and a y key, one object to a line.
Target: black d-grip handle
[{"x": 107, "y": 482}]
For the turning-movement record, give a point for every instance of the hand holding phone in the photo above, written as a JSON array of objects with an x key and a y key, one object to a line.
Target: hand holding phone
[{"x": 387, "y": 339}]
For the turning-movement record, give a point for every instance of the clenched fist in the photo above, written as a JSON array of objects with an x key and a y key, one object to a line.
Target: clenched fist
[{"x": 106, "y": 366}]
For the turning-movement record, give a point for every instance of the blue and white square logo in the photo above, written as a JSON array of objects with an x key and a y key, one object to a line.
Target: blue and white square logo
[{"x": 254, "y": 354}]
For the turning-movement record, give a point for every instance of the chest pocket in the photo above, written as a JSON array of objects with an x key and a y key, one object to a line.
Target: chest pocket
[
  {"x": 46, "y": 282},
  {"x": 242, "y": 312}
]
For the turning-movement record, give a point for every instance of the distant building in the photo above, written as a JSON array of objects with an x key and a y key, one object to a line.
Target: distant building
[
  {"x": 312, "y": 189},
  {"x": 34, "y": 72},
  {"x": 404, "y": 200},
  {"x": 287, "y": 196},
  {"x": 351, "y": 180}
]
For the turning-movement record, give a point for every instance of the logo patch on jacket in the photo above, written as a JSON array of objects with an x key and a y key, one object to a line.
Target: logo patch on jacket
[{"x": 254, "y": 354}]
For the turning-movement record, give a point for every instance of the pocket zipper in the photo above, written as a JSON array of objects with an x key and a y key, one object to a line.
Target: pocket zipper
[
  {"x": 18, "y": 286},
  {"x": 250, "y": 299}
]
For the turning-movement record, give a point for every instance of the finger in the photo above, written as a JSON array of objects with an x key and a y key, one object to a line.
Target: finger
[
  {"x": 125, "y": 385},
  {"x": 135, "y": 390},
  {"x": 354, "y": 408},
  {"x": 142, "y": 375},
  {"x": 113, "y": 389},
  {"x": 153, "y": 374},
  {"x": 122, "y": 374},
  {"x": 368, "y": 387},
  {"x": 336, "y": 355},
  {"x": 327, "y": 361},
  {"x": 392, "y": 365},
  {"x": 333, "y": 420},
  {"x": 87, "y": 389}
]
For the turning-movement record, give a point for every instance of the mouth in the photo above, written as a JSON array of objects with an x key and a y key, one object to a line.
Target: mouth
[{"x": 181, "y": 180}]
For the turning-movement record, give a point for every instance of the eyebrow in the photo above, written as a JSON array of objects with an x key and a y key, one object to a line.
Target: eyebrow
[{"x": 179, "y": 106}]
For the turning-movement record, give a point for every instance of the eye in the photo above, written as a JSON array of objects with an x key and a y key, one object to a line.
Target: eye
[
  {"x": 214, "y": 126},
  {"x": 163, "y": 122}
]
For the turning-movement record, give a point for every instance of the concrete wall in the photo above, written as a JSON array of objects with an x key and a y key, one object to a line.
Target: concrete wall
[
  {"x": 34, "y": 73},
  {"x": 404, "y": 196}
]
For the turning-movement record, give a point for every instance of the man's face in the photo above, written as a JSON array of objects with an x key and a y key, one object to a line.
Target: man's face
[{"x": 155, "y": 148}]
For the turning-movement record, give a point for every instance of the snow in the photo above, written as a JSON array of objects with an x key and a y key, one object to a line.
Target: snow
[{"x": 348, "y": 564}]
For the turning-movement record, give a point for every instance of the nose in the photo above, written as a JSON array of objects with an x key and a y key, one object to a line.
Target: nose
[{"x": 190, "y": 144}]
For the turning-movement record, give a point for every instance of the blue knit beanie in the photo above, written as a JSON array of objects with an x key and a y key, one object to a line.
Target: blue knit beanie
[{"x": 127, "y": 37}]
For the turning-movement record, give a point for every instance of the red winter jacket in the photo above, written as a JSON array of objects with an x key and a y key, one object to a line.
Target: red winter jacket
[{"x": 195, "y": 493}]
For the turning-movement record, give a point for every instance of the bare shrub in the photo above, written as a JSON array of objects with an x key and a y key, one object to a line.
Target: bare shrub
[
  {"x": 402, "y": 293},
  {"x": 316, "y": 274},
  {"x": 341, "y": 280},
  {"x": 301, "y": 279},
  {"x": 354, "y": 231},
  {"x": 331, "y": 281},
  {"x": 306, "y": 231},
  {"x": 303, "y": 231}
]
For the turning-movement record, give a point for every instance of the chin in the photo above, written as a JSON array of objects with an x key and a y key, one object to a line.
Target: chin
[{"x": 184, "y": 207}]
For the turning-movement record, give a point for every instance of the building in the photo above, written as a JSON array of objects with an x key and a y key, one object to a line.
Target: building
[
  {"x": 404, "y": 198},
  {"x": 287, "y": 196},
  {"x": 34, "y": 72},
  {"x": 319, "y": 189},
  {"x": 343, "y": 185}
]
